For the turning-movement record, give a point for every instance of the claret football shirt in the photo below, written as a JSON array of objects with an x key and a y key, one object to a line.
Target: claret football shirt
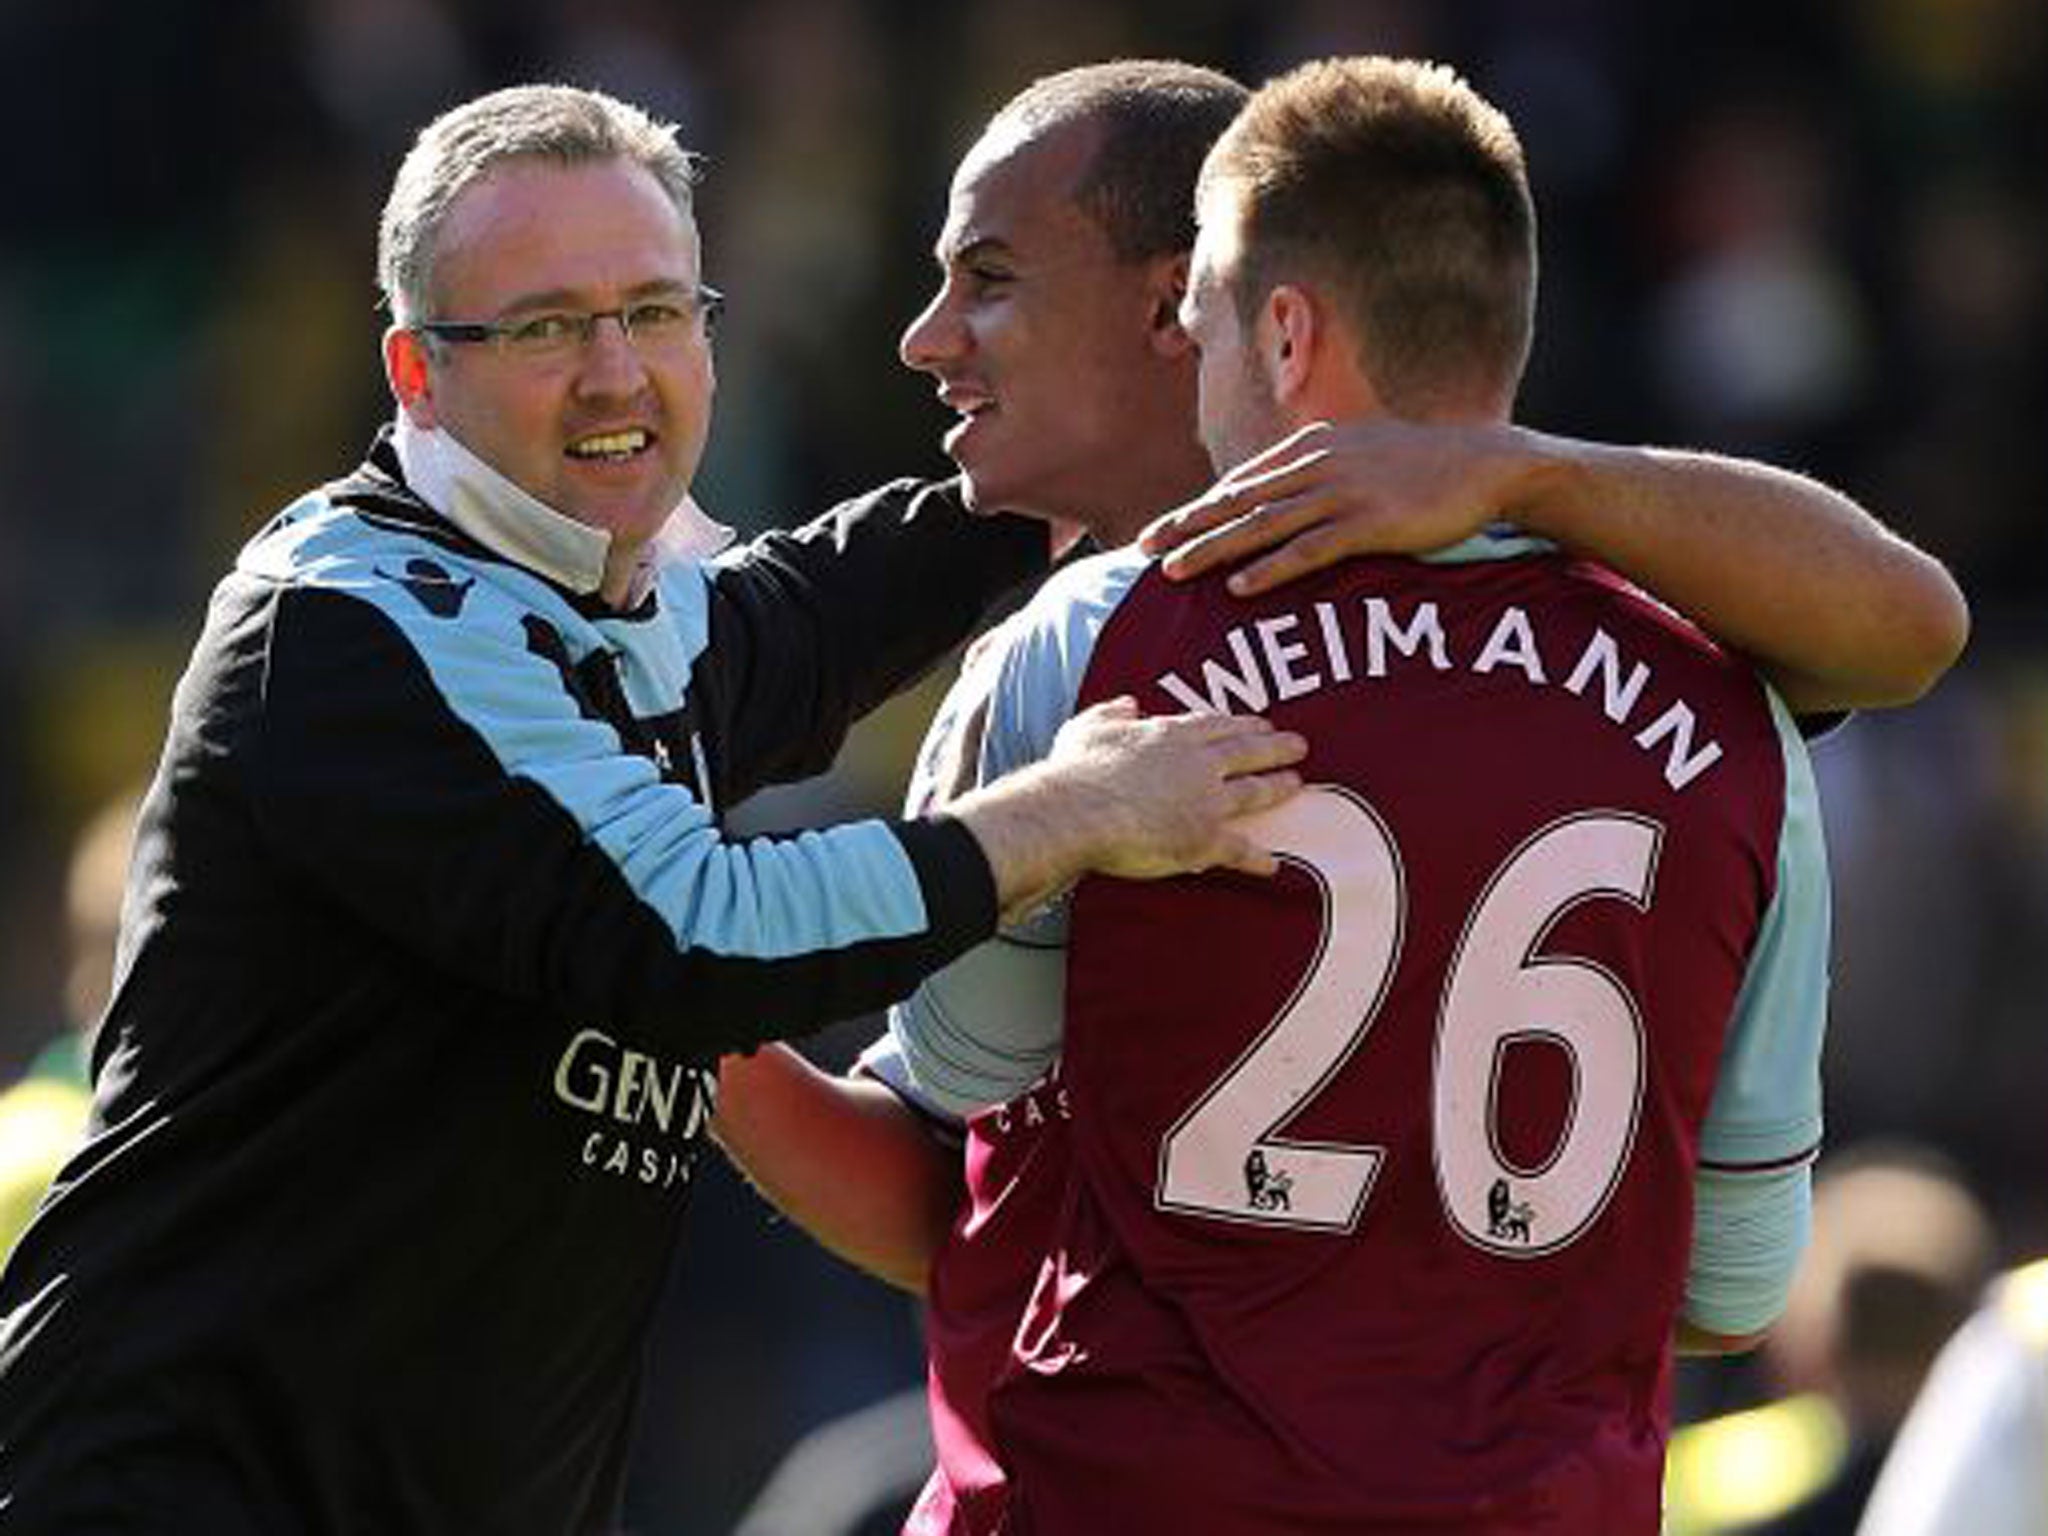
[{"x": 1379, "y": 1187}]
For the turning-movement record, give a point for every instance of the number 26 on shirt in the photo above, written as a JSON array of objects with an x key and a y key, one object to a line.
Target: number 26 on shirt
[{"x": 1222, "y": 1158}]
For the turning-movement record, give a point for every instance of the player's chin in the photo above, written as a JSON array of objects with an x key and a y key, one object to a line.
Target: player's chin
[
  {"x": 976, "y": 447},
  {"x": 974, "y": 491},
  {"x": 991, "y": 485},
  {"x": 987, "y": 495}
]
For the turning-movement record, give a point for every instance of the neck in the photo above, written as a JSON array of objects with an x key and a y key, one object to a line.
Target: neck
[
  {"x": 1341, "y": 391},
  {"x": 1157, "y": 487}
]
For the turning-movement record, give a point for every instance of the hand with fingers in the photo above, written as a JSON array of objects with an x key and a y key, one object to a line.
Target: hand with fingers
[
  {"x": 1169, "y": 790},
  {"x": 1142, "y": 797},
  {"x": 1328, "y": 491}
]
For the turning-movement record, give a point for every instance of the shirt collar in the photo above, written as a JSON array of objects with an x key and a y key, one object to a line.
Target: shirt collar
[{"x": 514, "y": 523}]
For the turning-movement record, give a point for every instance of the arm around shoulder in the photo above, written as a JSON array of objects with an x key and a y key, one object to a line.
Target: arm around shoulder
[{"x": 1838, "y": 611}]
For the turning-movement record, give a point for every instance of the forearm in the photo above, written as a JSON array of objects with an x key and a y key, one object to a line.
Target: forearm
[
  {"x": 1038, "y": 835},
  {"x": 1837, "y": 611},
  {"x": 843, "y": 1158}
]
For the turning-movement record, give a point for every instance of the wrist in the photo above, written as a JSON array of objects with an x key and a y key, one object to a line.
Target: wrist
[
  {"x": 1039, "y": 829},
  {"x": 1547, "y": 484}
]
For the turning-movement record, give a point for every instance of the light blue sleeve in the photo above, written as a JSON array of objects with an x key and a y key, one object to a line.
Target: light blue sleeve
[
  {"x": 883, "y": 1062},
  {"x": 988, "y": 1026},
  {"x": 1748, "y": 1233},
  {"x": 764, "y": 899},
  {"x": 1766, "y": 1110},
  {"x": 1046, "y": 655},
  {"x": 1753, "y": 1191}
]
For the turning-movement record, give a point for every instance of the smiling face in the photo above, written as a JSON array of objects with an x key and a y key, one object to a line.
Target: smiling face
[
  {"x": 1073, "y": 399},
  {"x": 610, "y": 433}
]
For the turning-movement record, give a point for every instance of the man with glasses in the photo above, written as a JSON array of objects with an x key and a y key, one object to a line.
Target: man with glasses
[
  {"x": 549, "y": 337},
  {"x": 432, "y": 937}
]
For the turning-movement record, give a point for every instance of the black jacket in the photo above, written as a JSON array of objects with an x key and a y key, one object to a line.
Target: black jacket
[{"x": 430, "y": 943}]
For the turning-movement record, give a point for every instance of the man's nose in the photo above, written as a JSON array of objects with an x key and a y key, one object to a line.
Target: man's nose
[
  {"x": 609, "y": 361},
  {"x": 935, "y": 337}
]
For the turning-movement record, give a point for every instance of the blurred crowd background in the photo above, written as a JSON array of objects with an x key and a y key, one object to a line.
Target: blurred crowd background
[{"x": 1810, "y": 230}]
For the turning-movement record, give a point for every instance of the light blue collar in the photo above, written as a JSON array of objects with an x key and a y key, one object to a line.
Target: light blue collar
[{"x": 1496, "y": 541}]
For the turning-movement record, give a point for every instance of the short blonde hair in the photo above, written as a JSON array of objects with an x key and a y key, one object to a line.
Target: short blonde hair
[{"x": 1403, "y": 192}]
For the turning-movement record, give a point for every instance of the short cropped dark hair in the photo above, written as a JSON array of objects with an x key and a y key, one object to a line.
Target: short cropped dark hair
[
  {"x": 1404, "y": 192},
  {"x": 1158, "y": 118}
]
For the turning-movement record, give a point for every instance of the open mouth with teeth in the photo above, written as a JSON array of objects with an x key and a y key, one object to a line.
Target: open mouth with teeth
[
  {"x": 611, "y": 447},
  {"x": 965, "y": 401}
]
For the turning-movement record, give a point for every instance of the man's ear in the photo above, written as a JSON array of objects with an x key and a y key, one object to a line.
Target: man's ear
[
  {"x": 406, "y": 370},
  {"x": 1166, "y": 284},
  {"x": 1288, "y": 334}
]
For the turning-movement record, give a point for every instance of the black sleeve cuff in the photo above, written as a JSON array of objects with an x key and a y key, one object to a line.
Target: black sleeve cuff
[{"x": 958, "y": 885}]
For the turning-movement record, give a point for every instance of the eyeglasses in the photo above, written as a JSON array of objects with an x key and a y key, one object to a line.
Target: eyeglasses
[{"x": 652, "y": 325}]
